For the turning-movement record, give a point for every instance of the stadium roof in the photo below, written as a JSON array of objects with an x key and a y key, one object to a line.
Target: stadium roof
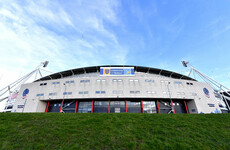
[{"x": 93, "y": 69}]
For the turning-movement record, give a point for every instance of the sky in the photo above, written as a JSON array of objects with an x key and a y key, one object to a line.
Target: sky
[{"x": 80, "y": 33}]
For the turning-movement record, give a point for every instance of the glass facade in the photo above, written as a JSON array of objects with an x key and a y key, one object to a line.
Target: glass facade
[
  {"x": 101, "y": 106},
  {"x": 85, "y": 107},
  {"x": 117, "y": 106},
  {"x": 69, "y": 106},
  {"x": 54, "y": 106},
  {"x": 133, "y": 107},
  {"x": 149, "y": 107}
]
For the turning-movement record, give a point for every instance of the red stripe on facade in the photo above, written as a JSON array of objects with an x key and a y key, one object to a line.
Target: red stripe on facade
[
  {"x": 109, "y": 107},
  {"x": 158, "y": 107},
  {"x": 61, "y": 107},
  {"x": 142, "y": 106},
  {"x": 47, "y": 107},
  {"x": 92, "y": 107},
  {"x": 126, "y": 106},
  {"x": 76, "y": 106},
  {"x": 186, "y": 107},
  {"x": 173, "y": 108}
]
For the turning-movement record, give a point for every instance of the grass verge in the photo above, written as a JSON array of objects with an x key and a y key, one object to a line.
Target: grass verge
[{"x": 114, "y": 131}]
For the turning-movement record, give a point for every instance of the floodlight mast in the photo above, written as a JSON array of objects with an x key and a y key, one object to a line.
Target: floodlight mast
[
  {"x": 14, "y": 86},
  {"x": 214, "y": 84}
]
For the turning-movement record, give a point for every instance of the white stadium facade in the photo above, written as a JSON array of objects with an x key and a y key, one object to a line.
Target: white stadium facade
[{"x": 117, "y": 89}]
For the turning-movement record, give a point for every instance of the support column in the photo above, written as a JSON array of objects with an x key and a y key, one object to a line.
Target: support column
[
  {"x": 109, "y": 107},
  {"x": 173, "y": 107},
  {"x": 61, "y": 107},
  {"x": 47, "y": 107},
  {"x": 186, "y": 107},
  {"x": 126, "y": 106},
  {"x": 158, "y": 107},
  {"x": 76, "y": 106},
  {"x": 142, "y": 106},
  {"x": 92, "y": 107}
]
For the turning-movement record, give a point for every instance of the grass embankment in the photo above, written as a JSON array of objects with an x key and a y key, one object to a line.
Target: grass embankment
[{"x": 114, "y": 131}]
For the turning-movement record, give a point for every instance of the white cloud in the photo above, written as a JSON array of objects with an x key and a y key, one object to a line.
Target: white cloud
[{"x": 68, "y": 35}]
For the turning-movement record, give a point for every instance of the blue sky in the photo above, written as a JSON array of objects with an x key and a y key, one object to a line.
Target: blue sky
[{"x": 72, "y": 34}]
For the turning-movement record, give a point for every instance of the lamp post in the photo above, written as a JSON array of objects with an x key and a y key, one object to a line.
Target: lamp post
[
  {"x": 172, "y": 110},
  {"x": 63, "y": 99}
]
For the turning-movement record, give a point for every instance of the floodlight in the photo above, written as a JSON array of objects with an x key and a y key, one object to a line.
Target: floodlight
[
  {"x": 45, "y": 64},
  {"x": 184, "y": 63}
]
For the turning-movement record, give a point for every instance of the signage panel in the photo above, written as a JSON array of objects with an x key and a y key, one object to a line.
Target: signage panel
[{"x": 117, "y": 71}]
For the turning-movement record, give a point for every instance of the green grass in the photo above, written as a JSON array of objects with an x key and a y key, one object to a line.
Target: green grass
[{"x": 114, "y": 131}]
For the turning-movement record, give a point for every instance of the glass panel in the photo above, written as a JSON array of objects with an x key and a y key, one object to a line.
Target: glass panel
[
  {"x": 117, "y": 106},
  {"x": 85, "y": 107},
  {"x": 69, "y": 106},
  {"x": 101, "y": 106},
  {"x": 149, "y": 106},
  {"x": 133, "y": 107},
  {"x": 54, "y": 106}
]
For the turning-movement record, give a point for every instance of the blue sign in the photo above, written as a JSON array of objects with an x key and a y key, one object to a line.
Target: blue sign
[
  {"x": 206, "y": 92},
  {"x": 25, "y": 92},
  {"x": 117, "y": 71}
]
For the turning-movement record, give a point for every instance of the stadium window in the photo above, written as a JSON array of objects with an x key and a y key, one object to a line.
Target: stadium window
[
  {"x": 97, "y": 92},
  {"x": 55, "y": 82},
  {"x": 120, "y": 80},
  {"x": 114, "y": 92},
  {"x": 69, "y": 93},
  {"x": 102, "y": 92},
  {"x": 189, "y": 83},
  {"x": 164, "y": 92},
  {"x": 114, "y": 80},
  {"x": 43, "y": 84},
  {"x": 98, "y": 80},
  {"x": 149, "y": 80},
  {"x": 72, "y": 81},
  {"x": 120, "y": 92},
  {"x": 130, "y": 80},
  {"x": 137, "y": 92},
  {"x": 52, "y": 94},
  {"x": 103, "y": 80},
  {"x": 86, "y": 92},
  {"x": 136, "y": 80},
  {"x": 41, "y": 94},
  {"x": 84, "y": 81},
  {"x": 177, "y": 82},
  {"x": 80, "y": 92},
  {"x": 65, "y": 93},
  {"x": 132, "y": 92}
]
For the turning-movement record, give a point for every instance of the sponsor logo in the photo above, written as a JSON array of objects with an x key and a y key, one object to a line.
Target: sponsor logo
[
  {"x": 25, "y": 93},
  {"x": 117, "y": 71},
  {"x": 107, "y": 71},
  {"x": 206, "y": 92}
]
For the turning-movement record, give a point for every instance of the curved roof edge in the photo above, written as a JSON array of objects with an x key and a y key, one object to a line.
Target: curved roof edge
[{"x": 92, "y": 69}]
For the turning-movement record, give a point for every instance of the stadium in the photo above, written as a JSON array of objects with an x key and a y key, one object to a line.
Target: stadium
[{"x": 117, "y": 89}]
